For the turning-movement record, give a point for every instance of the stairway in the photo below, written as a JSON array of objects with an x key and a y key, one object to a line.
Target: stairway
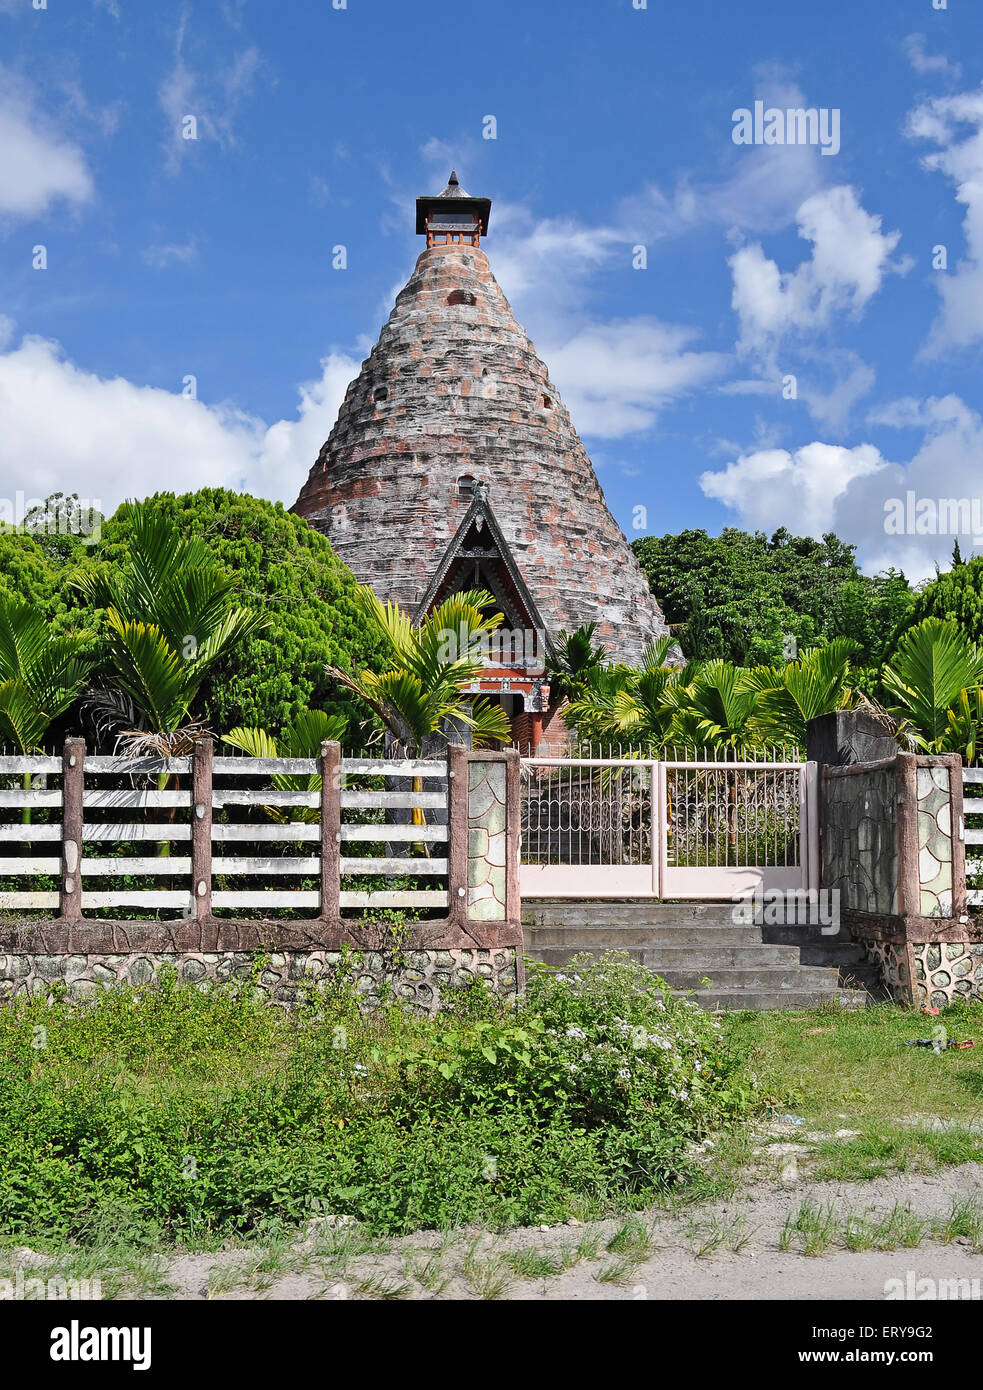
[{"x": 749, "y": 967}]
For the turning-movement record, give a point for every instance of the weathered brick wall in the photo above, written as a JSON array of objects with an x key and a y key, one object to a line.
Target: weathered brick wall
[{"x": 465, "y": 393}]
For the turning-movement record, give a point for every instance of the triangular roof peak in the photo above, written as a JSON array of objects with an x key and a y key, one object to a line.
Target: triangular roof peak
[{"x": 480, "y": 517}]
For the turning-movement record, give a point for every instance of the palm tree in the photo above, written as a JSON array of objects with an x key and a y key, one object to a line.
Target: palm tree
[
  {"x": 40, "y": 676},
  {"x": 301, "y": 739},
  {"x": 622, "y": 702},
  {"x": 574, "y": 662},
  {"x": 715, "y": 707},
  {"x": 789, "y": 696},
  {"x": 420, "y": 698},
  {"x": 932, "y": 680},
  {"x": 171, "y": 617}
]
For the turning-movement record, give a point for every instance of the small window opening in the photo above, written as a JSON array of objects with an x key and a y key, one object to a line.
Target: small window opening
[
  {"x": 465, "y": 485},
  {"x": 547, "y": 403},
  {"x": 461, "y": 297},
  {"x": 380, "y": 393}
]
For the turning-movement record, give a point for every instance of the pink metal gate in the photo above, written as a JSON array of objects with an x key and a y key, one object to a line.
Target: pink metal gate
[{"x": 642, "y": 827}]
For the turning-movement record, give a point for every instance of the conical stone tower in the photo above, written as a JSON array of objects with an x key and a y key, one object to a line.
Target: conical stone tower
[{"x": 453, "y": 394}]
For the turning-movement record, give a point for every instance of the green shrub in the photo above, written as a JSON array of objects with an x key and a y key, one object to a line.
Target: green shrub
[{"x": 212, "y": 1111}]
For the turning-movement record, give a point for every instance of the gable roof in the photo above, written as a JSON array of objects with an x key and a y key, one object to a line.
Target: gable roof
[{"x": 480, "y": 517}]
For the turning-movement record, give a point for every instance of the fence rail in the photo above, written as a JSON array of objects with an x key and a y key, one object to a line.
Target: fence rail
[{"x": 246, "y": 839}]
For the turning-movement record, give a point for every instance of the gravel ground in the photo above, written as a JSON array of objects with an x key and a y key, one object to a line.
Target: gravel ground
[{"x": 474, "y": 1264}]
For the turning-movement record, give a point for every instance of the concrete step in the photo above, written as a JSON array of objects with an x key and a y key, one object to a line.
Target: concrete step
[
  {"x": 718, "y": 1000},
  {"x": 625, "y": 912},
  {"x": 599, "y": 938},
  {"x": 679, "y": 956},
  {"x": 756, "y": 975},
  {"x": 749, "y": 966},
  {"x": 730, "y": 980},
  {"x": 839, "y": 953}
]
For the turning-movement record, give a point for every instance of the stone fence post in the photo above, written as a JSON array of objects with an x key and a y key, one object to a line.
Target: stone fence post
[
  {"x": 893, "y": 848},
  {"x": 72, "y": 785},
  {"x": 331, "y": 848},
  {"x": 201, "y": 828}
]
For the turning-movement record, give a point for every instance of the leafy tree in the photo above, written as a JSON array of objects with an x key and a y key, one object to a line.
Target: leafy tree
[
  {"x": 752, "y": 600},
  {"x": 872, "y": 611},
  {"x": 956, "y": 596},
  {"x": 285, "y": 571},
  {"x": 63, "y": 527}
]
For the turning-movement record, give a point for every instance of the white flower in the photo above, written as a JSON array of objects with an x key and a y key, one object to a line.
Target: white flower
[{"x": 576, "y": 1033}]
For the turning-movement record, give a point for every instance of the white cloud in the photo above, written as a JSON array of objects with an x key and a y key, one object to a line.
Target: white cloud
[
  {"x": 761, "y": 192},
  {"x": 771, "y": 487},
  {"x": 824, "y": 487},
  {"x": 615, "y": 377},
  {"x": 850, "y": 258},
  {"x": 66, "y": 429},
  {"x": 213, "y": 100},
  {"x": 929, "y": 63},
  {"x": 545, "y": 265},
  {"x": 955, "y": 123},
  {"x": 159, "y": 257},
  {"x": 38, "y": 165},
  {"x": 832, "y": 409}
]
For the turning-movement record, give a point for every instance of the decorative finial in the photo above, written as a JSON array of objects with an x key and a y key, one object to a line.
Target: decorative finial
[{"x": 452, "y": 181}]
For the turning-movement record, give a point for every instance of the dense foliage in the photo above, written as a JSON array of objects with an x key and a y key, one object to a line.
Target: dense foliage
[
  {"x": 752, "y": 600},
  {"x": 956, "y": 595},
  {"x": 284, "y": 570},
  {"x": 213, "y": 1112}
]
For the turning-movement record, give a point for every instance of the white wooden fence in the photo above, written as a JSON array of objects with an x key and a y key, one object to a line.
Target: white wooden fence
[
  {"x": 973, "y": 829},
  {"x": 225, "y": 834}
]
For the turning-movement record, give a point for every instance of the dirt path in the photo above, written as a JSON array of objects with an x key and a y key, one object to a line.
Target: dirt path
[{"x": 722, "y": 1250}]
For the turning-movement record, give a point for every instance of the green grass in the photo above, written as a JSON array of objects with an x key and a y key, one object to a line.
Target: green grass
[
  {"x": 964, "y": 1222},
  {"x": 849, "y": 1069},
  {"x": 532, "y": 1264},
  {"x": 815, "y": 1228}
]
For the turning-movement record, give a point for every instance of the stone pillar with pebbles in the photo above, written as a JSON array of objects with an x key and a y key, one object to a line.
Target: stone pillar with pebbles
[{"x": 893, "y": 846}]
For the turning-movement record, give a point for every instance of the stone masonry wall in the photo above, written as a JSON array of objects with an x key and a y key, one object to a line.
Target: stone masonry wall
[
  {"x": 453, "y": 389},
  {"x": 419, "y": 977},
  {"x": 860, "y": 846}
]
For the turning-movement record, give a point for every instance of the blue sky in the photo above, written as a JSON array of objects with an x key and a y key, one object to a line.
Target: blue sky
[{"x": 170, "y": 258}]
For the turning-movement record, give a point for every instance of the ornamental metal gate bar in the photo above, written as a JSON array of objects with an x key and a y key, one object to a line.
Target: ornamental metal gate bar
[{"x": 651, "y": 828}]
